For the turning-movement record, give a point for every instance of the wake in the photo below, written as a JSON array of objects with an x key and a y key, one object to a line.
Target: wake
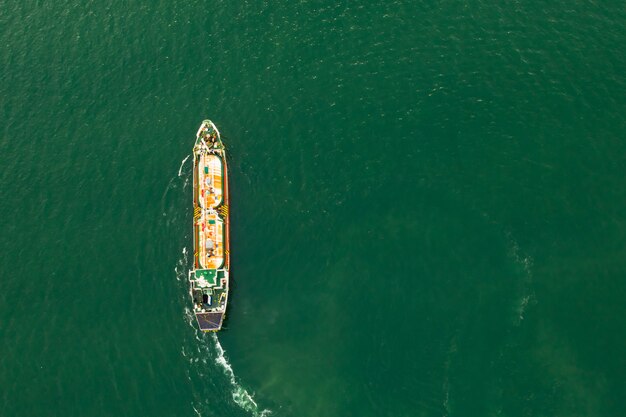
[
  {"x": 526, "y": 294},
  {"x": 240, "y": 396},
  {"x": 180, "y": 170}
]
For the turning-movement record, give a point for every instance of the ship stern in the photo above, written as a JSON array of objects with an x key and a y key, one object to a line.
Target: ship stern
[{"x": 210, "y": 321}]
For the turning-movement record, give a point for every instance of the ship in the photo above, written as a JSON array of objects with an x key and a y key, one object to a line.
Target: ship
[{"x": 209, "y": 278}]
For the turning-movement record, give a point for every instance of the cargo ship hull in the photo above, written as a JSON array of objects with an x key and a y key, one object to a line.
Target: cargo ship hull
[{"x": 209, "y": 278}]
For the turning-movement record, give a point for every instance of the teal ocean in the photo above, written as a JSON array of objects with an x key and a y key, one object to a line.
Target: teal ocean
[{"x": 428, "y": 207}]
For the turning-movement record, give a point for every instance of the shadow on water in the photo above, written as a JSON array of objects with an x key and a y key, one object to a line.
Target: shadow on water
[{"x": 385, "y": 301}]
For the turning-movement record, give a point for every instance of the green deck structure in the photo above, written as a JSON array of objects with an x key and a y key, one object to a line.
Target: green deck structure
[{"x": 210, "y": 275}]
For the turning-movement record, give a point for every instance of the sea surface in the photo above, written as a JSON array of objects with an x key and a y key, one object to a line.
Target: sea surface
[{"x": 428, "y": 208}]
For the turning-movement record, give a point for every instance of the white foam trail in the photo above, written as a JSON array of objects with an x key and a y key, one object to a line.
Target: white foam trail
[
  {"x": 180, "y": 170},
  {"x": 527, "y": 295},
  {"x": 522, "y": 307},
  {"x": 180, "y": 267},
  {"x": 240, "y": 395}
]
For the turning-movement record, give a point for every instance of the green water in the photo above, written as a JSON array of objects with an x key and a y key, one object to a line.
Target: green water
[{"x": 428, "y": 208}]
